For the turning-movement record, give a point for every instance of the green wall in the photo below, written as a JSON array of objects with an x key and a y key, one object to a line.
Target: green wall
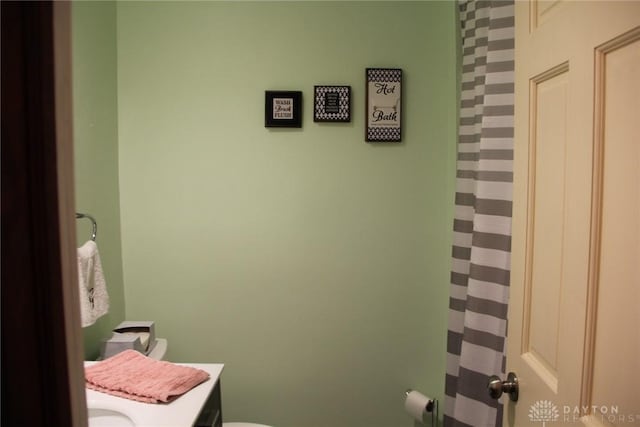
[
  {"x": 314, "y": 265},
  {"x": 96, "y": 150}
]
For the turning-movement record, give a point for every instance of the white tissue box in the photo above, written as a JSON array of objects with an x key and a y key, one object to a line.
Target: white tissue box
[{"x": 134, "y": 335}]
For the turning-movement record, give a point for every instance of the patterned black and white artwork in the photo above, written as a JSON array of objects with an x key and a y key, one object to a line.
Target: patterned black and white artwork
[
  {"x": 384, "y": 102},
  {"x": 332, "y": 104}
]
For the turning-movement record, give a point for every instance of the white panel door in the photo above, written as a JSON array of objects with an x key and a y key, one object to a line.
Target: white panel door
[{"x": 574, "y": 315}]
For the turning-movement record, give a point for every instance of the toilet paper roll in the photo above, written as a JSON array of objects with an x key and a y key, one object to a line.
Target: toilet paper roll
[{"x": 417, "y": 404}]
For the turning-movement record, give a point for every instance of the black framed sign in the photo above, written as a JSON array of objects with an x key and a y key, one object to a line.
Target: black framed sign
[
  {"x": 283, "y": 109},
  {"x": 332, "y": 104},
  {"x": 384, "y": 102}
]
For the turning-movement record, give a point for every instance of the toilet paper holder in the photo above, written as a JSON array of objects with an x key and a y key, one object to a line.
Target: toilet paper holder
[{"x": 431, "y": 407}]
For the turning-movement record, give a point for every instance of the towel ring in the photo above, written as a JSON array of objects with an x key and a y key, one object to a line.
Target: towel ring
[{"x": 94, "y": 232}]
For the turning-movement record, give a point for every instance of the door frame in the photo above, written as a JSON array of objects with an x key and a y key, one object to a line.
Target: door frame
[{"x": 42, "y": 349}]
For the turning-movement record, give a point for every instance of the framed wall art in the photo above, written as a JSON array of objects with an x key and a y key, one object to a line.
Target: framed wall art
[
  {"x": 283, "y": 109},
  {"x": 384, "y": 105},
  {"x": 332, "y": 104}
]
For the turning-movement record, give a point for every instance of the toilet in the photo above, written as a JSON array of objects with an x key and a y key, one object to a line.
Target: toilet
[{"x": 159, "y": 352}]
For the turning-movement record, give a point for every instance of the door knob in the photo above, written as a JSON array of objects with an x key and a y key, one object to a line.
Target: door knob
[{"x": 496, "y": 387}]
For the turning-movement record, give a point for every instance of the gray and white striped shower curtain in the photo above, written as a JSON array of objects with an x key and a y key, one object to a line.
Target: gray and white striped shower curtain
[{"x": 479, "y": 290}]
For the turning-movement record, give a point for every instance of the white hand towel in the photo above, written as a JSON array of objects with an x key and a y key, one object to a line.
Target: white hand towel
[{"x": 94, "y": 300}]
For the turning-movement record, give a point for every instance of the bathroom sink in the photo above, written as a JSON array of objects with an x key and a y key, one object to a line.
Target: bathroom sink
[
  {"x": 113, "y": 411},
  {"x": 102, "y": 417}
]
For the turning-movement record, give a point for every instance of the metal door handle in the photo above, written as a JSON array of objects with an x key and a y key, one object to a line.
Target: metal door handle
[{"x": 496, "y": 386}]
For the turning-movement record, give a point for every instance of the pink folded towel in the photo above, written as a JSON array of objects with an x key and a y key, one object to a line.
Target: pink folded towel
[{"x": 134, "y": 376}]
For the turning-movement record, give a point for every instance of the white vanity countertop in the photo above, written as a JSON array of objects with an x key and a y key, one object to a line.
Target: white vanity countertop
[{"x": 181, "y": 412}]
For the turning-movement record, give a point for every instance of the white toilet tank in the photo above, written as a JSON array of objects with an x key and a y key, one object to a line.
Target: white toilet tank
[{"x": 159, "y": 350}]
